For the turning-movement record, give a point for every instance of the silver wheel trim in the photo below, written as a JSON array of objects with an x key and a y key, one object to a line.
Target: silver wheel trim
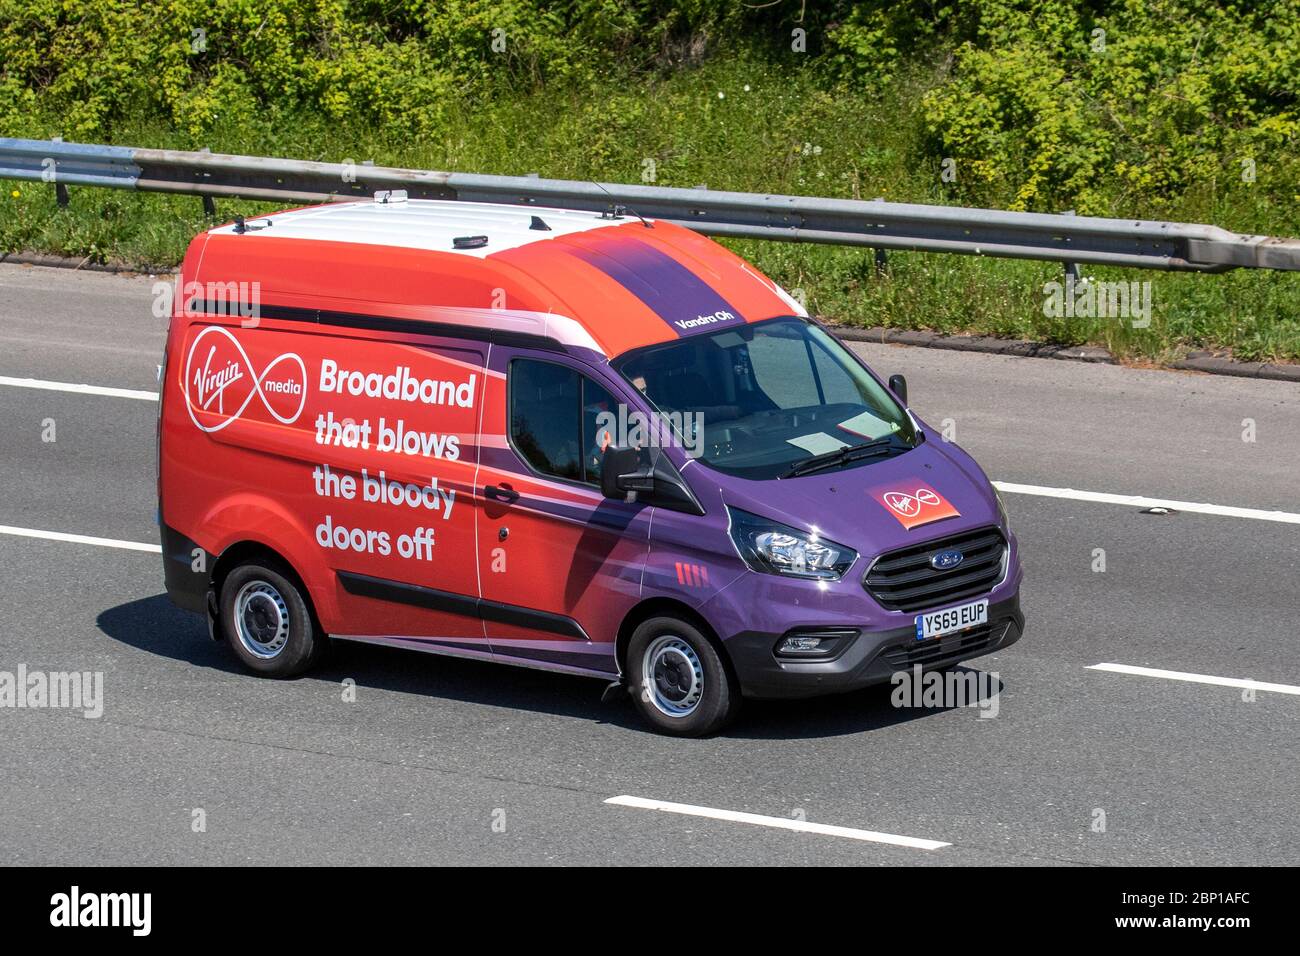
[
  {"x": 258, "y": 598},
  {"x": 670, "y": 650}
]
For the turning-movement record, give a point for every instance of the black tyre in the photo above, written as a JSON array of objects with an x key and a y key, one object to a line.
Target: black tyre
[
  {"x": 266, "y": 620},
  {"x": 678, "y": 679}
]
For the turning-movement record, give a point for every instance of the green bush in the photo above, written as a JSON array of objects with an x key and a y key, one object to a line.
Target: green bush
[
  {"x": 1105, "y": 107},
  {"x": 93, "y": 63},
  {"x": 874, "y": 38}
]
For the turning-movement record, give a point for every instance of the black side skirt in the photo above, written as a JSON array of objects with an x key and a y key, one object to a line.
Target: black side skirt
[{"x": 402, "y": 593}]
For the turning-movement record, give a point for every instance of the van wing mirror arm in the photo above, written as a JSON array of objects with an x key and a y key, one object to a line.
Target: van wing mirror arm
[{"x": 641, "y": 480}]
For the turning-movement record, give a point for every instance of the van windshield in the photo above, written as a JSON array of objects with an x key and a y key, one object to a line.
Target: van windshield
[{"x": 763, "y": 400}]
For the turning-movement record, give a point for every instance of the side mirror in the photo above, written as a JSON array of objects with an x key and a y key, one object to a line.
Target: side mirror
[
  {"x": 898, "y": 385},
  {"x": 647, "y": 476},
  {"x": 622, "y": 470}
]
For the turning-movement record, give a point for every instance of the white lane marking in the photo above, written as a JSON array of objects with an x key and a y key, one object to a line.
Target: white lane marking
[
  {"x": 80, "y": 539},
  {"x": 1196, "y": 678},
  {"x": 80, "y": 389},
  {"x": 779, "y": 823},
  {"x": 1138, "y": 501}
]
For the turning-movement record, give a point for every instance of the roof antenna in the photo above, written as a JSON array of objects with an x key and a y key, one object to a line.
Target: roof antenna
[
  {"x": 539, "y": 223},
  {"x": 240, "y": 228},
  {"x": 618, "y": 208}
]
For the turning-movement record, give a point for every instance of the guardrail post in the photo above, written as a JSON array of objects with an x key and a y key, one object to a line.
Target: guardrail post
[
  {"x": 60, "y": 190},
  {"x": 882, "y": 257},
  {"x": 209, "y": 204},
  {"x": 1071, "y": 268}
]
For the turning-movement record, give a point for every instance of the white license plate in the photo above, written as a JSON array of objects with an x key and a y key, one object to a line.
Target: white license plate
[{"x": 938, "y": 623}]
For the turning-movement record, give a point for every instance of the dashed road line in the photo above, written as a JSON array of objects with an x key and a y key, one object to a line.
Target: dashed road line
[
  {"x": 80, "y": 539},
  {"x": 1196, "y": 678},
  {"x": 78, "y": 388},
  {"x": 779, "y": 823},
  {"x": 1139, "y": 501}
]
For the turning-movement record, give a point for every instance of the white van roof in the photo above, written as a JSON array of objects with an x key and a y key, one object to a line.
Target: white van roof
[{"x": 429, "y": 224}]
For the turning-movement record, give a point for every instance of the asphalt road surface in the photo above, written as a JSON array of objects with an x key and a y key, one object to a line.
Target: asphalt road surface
[{"x": 448, "y": 761}]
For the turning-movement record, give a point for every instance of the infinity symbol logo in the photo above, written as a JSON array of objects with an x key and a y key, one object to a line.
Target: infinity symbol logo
[
  {"x": 917, "y": 508},
  {"x": 226, "y": 369},
  {"x": 909, "y": 506}
]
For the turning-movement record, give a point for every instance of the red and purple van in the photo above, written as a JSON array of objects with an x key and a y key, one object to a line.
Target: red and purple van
[{"x": 558, "y": 439}]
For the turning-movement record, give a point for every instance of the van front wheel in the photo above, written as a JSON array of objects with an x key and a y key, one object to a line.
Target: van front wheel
[
  {"x": 679, "y": 680},
  {"x": 267, "y": 622}
]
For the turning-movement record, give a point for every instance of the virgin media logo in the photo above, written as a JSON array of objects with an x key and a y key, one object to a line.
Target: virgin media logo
[
  {"x": 221, "y": 382},
  {"x": 910, "y": 505},
  {"x": 916, "y": 504}
]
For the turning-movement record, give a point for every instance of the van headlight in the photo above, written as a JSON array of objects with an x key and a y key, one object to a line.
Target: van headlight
[{"x": 775, "y": 548}]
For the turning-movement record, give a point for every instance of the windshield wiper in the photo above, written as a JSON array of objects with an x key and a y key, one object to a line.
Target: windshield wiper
[{"x": 841, "y": 456}]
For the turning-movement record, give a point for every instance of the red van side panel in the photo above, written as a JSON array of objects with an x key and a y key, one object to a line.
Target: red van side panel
[{"x": 345, "y": 454}]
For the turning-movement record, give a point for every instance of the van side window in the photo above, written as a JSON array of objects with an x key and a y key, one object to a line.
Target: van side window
[{"x": 554, "y": 418}]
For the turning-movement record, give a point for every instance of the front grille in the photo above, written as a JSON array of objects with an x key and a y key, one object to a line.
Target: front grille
[
  {"x": 953, "y": 647},
  {"x": 903, "y": 580}
]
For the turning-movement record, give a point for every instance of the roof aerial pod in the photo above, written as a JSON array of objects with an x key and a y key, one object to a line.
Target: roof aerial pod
[{"x": 251, "y": 225}]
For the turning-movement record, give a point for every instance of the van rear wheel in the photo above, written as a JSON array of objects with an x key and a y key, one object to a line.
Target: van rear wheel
[
  {"x": 679, "y": 681},
  {"x": 266, "y": 621}
]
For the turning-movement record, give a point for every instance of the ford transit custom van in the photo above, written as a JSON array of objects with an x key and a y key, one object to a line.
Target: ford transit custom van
[{"x": 565, "y": 440}]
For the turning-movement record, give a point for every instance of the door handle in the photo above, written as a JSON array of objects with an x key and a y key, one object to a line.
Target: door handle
[{"x": 501, "y": 493}]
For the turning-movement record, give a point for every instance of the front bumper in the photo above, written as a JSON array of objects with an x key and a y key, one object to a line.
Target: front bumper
[{"x": 869, "y": 658}]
